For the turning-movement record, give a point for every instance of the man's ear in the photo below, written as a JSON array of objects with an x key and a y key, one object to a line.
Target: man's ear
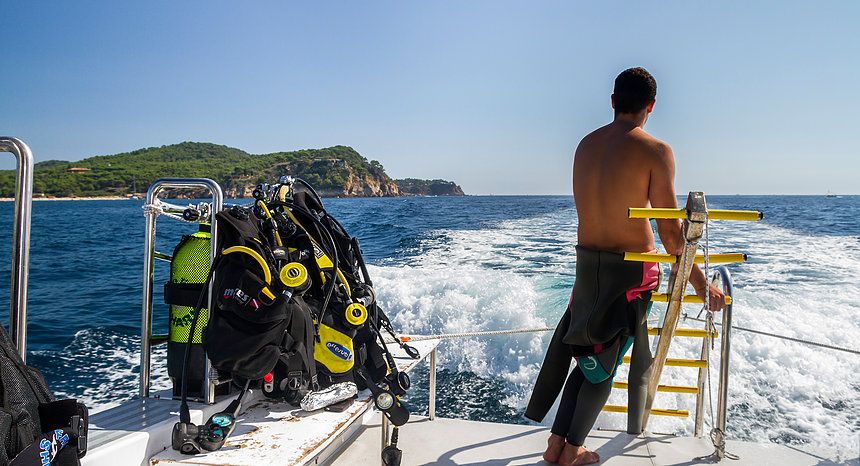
[
  {"x": 650, "y": 107},
  {"x": 612, "y": 99}
]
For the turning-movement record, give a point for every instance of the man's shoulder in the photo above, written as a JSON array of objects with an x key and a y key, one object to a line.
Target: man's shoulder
[
  {"x": 596, "y": 134},
  {"x": 651, "y": 145}
]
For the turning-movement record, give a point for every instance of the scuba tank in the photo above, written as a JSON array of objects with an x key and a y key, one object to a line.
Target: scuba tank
[{"x": 188, "y": 271}]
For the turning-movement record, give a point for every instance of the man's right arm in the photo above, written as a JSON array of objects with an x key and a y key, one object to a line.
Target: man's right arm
[{"x": 661, "y": 193}]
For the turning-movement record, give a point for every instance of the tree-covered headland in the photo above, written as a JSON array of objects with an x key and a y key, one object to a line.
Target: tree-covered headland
[{"x": 337, "y": 171}]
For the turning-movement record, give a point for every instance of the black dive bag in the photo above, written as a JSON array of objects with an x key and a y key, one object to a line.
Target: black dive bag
[
  {"x": 255, "y": 330},
  {"x": 35, "y": 429}
]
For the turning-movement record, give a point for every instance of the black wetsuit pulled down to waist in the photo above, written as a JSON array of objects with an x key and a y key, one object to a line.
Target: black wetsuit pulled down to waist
[{"x": 607, "y": 313}]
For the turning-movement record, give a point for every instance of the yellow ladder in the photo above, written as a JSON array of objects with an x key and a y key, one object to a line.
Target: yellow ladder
[
  {"x": 695, "y": 215},
  {"x": 701, "y": 364}
]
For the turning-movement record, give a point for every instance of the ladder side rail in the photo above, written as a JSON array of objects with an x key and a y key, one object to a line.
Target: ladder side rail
[
  {"x": 18, "y": 285},
  {"x": 431, "y": 393},
  {"x": 149, "y": 268},
  {"x": 700, "y": 384},
  {"x": 693, "y": 228}
]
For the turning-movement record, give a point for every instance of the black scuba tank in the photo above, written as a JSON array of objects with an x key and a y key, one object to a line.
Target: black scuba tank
[{"x": 188, "y": 271}]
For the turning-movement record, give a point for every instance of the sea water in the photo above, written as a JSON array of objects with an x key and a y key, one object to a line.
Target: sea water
[{"x": 458, "y": 264}]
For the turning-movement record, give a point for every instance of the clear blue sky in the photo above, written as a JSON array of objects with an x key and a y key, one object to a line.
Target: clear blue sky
[{"x": 755, "y": 97}]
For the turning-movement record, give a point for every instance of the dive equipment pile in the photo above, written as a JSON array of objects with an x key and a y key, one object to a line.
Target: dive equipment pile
[
  {"x": 36, "y": 429},
  {"x": 294, "y": 311}
]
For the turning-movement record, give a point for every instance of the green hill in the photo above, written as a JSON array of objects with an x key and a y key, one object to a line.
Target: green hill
[{"x": 337, "y": 171}]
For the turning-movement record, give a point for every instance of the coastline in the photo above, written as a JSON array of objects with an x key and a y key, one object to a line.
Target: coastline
[
  {"x": 82, "y": 198},
  {"x": 141, "y": 196}
]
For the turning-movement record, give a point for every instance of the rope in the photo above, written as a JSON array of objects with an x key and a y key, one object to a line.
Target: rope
[
  {"x": 448, "y": 336},
  {"x": 783, "y": 337},
  {"x": 157, "y": 210}
]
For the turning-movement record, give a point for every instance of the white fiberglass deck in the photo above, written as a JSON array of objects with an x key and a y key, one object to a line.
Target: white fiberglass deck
[
  {"x": 456, "y": 442},
  {"x": 275, "y": 433},
  {"x": 137, "y": 433}
]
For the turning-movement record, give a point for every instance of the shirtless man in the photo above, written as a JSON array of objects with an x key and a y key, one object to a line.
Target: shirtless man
[{"x": 615, "y": 167}]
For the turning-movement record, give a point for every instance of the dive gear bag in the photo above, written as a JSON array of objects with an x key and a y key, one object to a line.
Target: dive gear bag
[
  {"x": 36, "y": 429},
  {"x": 292, "y": 307}
]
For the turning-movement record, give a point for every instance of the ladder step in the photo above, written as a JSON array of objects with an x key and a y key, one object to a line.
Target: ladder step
[
  {"x": 688, "y": 298},
  {"x": 713, "y": 214},
  {"x": 671, "y": 258},
  {"x": 654, "y": 411},
  {"x": 662, "y": 388},
  {"x": 700, "y": 363},
  {"x": 683, "y": 332}
]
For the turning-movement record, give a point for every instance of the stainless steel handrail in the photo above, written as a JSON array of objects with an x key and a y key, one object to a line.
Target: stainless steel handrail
[
  {"x": 149, "y": 265},
  {"x": 20, "y": 241},
  {"x": 719, "y": 432},
  {"x": 431, "y": 402}
]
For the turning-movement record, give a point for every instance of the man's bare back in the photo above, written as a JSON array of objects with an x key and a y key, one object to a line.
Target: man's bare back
[
  {"x": 614, "y": 168},
  {"x": 620, "y": 166}
]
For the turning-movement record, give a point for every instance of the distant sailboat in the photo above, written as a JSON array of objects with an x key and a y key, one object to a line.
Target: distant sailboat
[
  {"x": 134, "y": 196},
  {"x": 829, "y": 194}
]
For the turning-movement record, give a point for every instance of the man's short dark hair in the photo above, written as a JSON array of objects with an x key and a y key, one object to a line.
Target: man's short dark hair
[{"x": 635, "y": 88}]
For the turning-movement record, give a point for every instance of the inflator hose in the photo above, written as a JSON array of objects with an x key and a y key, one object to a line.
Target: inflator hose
[
  {"x": 329, "y": 290},
  {"x": 184, "y": 412}
]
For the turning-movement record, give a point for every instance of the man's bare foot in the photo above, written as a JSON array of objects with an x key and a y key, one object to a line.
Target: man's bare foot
[
  {"x": 573, "y": 455},
  {"x": 554, "y": 446}
]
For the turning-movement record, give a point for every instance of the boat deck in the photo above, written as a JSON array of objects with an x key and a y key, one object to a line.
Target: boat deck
[
  {"x": 138, "y": 433},
  {"x": 271, "y": 432},
  {"x": 457, "y": 442}
]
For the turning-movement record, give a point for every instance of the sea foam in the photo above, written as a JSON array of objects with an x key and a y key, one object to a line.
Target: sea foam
[{"x": 518, "y": 273}]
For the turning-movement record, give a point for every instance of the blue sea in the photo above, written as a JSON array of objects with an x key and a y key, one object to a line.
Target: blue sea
[{"x": 488, "y": 263}]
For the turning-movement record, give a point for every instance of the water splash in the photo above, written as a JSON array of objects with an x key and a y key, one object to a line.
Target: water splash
[{"x": 517, "y": 274}]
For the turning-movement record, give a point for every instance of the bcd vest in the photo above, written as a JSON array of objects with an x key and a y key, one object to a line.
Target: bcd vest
[{"x": 256, "y": 329}]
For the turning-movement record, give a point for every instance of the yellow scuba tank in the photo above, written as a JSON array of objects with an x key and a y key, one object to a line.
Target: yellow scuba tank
[{"x": 188, "y": 271}]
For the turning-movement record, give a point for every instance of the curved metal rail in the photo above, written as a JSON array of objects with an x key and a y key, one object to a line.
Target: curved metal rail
[
  {"x": 149, "y": 265},
  {"x": 719, "y": 431},
  {"x": 20, "y": 241}
]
